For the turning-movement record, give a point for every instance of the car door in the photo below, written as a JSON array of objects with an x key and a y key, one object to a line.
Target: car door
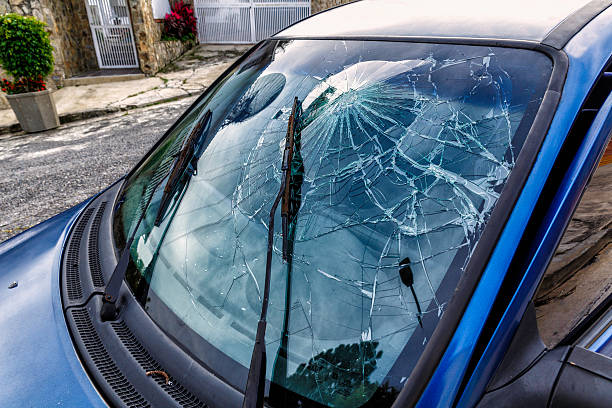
[{"x": 561, "y": 352}]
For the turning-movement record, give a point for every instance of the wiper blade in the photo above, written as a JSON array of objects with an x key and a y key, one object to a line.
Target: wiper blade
[
  {"x": 288, "y": 162},
  {"x": 185, "y": 165},
  {"x": 254, "y": 393},
  {"x": 186, "y": 160}
]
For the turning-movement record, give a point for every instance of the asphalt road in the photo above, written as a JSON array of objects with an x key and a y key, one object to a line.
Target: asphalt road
[{"x": 45, "y": 173}]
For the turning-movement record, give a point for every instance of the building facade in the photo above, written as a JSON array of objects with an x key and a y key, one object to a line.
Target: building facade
[
  {"x": 71, "y": 22},
  {"x": 89, "y": 35}
]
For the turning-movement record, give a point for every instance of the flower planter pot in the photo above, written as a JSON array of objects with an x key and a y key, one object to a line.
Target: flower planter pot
[{"x": 35, "y": 111}]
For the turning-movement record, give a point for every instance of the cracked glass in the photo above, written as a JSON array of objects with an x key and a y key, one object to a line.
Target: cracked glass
[{"x": 403, "y": 152}]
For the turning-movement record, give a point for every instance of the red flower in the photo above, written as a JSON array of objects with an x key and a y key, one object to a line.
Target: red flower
[
  {"x": 180, "y": 22},
  {"x": 23, "y": 85}
]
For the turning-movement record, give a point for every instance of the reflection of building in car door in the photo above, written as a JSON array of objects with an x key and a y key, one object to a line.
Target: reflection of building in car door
[{"x": 579, "y": 277}]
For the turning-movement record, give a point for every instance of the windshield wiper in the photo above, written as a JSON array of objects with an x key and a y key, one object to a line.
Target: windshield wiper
[
  {"x": 111, "y": 291},
  {"x": 408, "y": 279},
  {"x": 185, "y": 163},
  {"x": 290, "y": 207},
  {"x": 254, "y": 393}
]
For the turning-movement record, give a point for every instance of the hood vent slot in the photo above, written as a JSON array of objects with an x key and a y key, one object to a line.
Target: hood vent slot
[
  {"x": 93, "y": 250},
  {"x": 73, "y": 280},
  {"x": 115, "y": 358},
  {"x": 183, "y": 397},
  {"x": 104, "y": 363}
]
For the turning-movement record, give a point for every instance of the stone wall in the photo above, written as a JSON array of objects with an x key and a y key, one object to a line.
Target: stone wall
[
  {"x": 69, "y": 32},
  {"x": 78, "y": 50},
  {"x": 168, "y": 51},
  {"x": 3, "y": 102},
  {"x": 317, "y": 6},
  {"x": 153, "y": 53},
  {"x": 5, "y": 7},
  {"x": 146, "y": 34}
]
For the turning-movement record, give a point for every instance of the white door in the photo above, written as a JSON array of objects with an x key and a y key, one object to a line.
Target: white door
[
  {"x": 246, "y": 21},
  {"x": 112, "y": 33}
]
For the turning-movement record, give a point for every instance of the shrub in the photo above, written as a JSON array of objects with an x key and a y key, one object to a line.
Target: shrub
[
  {"x": 180, "y": 23},
  {"x": 25, "y": 53}
]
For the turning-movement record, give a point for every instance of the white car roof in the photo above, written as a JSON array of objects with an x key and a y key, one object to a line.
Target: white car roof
[{"x": 529, "y": 20}]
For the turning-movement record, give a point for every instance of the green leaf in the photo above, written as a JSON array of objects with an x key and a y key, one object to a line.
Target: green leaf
[{"x": 25, "y": 49}]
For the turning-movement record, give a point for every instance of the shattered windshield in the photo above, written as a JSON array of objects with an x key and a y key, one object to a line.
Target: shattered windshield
[{"x": 403, "y": 150}]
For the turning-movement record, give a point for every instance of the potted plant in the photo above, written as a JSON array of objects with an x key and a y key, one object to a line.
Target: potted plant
[{"x": 26, "y": 54}]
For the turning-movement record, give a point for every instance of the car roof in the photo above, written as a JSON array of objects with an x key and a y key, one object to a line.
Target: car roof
[{"x": 530, "y": 20}]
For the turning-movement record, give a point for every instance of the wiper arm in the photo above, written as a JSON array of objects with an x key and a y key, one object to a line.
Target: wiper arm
[
  {"x": 185, "y": 164},
  {"x": 187, "y": 159},
  {"x": 254, "y": 393},
  {"x": 111, "y": 291}
]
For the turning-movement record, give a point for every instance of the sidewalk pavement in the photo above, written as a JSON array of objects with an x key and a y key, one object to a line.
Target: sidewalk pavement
[{"x": 189, "y": 75}]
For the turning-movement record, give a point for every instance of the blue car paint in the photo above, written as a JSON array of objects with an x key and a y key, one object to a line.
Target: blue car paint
[
  {"x": 602, "y": 341},
  {"x": 54, "y": 376},
  {"x": 560, "y": 212},
  {"x": 588, "y": 53},
  {"x": 32, "y": 319}
]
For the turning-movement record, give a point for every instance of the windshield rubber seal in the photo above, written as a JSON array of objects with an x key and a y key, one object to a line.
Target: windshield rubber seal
[{"x": 445, "y": 329}]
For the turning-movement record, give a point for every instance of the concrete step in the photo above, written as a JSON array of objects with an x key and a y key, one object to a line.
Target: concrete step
[{"x": 101, "y": 79}]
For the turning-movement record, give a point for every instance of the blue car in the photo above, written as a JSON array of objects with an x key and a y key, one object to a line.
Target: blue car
[{"x": 357, "y": 213}]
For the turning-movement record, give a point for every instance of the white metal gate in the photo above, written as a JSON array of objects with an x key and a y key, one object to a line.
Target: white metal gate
[
  {"x": 112, "y": 33},
  {"x": 246, "y": 21}
]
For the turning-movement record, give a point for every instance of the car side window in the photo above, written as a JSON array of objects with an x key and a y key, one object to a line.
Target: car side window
[{"x": 578, "y": 278}]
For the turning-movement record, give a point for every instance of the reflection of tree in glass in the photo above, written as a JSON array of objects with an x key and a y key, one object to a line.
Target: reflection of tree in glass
[
  {"x": 338, "y": 377},
  {"x": 259, "y": 95}
]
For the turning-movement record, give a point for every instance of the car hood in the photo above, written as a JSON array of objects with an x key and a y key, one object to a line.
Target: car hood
[{"x": 39, "y": 366}]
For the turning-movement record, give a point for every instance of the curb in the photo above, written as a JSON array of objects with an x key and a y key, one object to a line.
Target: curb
[
  {"x": 102, "y": 79},
  {"x": 76, "y": 116}
]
